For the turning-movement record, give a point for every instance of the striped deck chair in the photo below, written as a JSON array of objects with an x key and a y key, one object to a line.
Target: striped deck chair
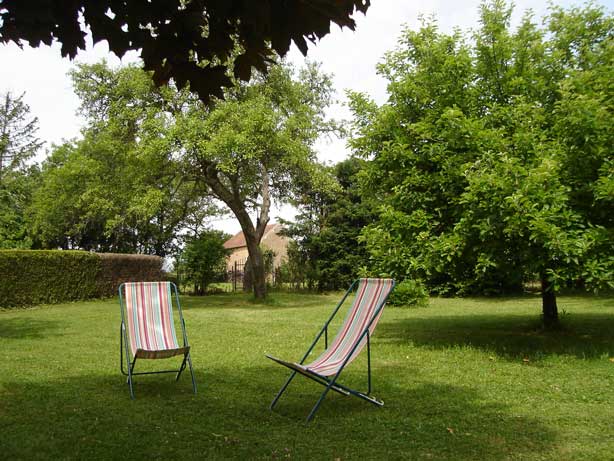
[
  {"x": 148, "y": 329},
  {"x": 355, "y": 332}
]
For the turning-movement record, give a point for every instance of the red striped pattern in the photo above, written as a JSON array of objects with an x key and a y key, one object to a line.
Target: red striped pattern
[
  {"x": 150, "y": 317},
  {"x": 370, "y": 294}
]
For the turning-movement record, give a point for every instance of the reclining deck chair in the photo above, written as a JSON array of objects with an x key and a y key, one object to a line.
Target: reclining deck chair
[
  {"x": 353, "y": 335},
  {"x": 148, "y": 330}
]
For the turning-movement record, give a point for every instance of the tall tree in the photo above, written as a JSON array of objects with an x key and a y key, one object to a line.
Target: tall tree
[
  {"x": 18, "y": 144},
  {"x": 253, "y": 147},
  {"x": 18, "y": 141},
  {"x": 195, "y": 41},
  {"x": 492, "y": 155}
]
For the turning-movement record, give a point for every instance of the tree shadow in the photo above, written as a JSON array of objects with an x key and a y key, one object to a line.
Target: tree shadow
[
  {"x": 26, "y": 328},
  {"x": 582, "y": 335},
  {"x": 93, "y": 417}
]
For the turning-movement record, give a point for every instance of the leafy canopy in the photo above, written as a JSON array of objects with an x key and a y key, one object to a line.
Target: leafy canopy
[
  {"x": 119, "y": 188},
  {"x": 152, "y": 158},
  {"x": 195, "y": 41}
]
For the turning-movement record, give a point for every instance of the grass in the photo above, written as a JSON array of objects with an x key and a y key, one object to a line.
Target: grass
[{"x": 472, "y": 379}]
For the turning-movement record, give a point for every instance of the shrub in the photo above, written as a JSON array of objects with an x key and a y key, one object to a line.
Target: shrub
[
  {"x": 204, "y": 260},
  {"x": 409, "y": 293},
  {"x": 51, "y": 276}
]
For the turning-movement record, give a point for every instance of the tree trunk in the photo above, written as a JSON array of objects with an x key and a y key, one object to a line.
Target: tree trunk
[
  {"x": 231, "y": 196},
  {"x": 256, "y": 267},
  {"x": 549, "y": 308},
  {"x": 248, "y": 286}
]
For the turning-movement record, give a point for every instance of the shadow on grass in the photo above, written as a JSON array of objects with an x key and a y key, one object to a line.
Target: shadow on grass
[
  {"x": 86, "y": 417},
  {"x": 22, "y": 328},
  {"x": 582, "y": 335}
]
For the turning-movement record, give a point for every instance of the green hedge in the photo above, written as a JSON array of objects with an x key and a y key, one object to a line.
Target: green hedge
[
  {"x": 29, "y": 277},
  {"x": 118, "y": 268}
]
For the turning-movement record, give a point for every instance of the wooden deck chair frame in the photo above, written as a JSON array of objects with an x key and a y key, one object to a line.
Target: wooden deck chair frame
[
  {"x": 330, "y": 382},
  {"x": 124, "y": 345}
]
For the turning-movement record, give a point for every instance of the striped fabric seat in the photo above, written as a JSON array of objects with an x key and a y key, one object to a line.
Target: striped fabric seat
[
  {"x": 369, "y": 295},
  {"x": 149, "y": 316}
]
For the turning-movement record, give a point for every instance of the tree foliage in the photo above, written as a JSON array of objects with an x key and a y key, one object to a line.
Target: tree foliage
[
  {"x": 152, "y": 156},
  {"x": 327, "y": 253},
  {"x": 18, "y": 144},
  {"x": 196, "y": 41},
  {"x": 18, "y": 141},
  {"x": 119, "y": 188},
  {"x": 492, "y": 157},
  {"x": 16, "y": 191},
  {"x": 203, "y": 260}
]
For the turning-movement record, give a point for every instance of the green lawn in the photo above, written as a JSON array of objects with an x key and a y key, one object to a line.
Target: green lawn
[{"x": 471, "y": 379}]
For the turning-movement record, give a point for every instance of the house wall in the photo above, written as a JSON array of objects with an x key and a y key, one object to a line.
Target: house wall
[
  {"x": 239, "y": 255},
  {"x": 278, "y": 244}
]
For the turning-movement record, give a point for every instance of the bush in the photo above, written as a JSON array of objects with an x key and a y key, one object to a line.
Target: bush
[
  {"x": 45, "y": 277},
  {"x": 409, "y": 293},
  {"x": 204, "y": 260}
]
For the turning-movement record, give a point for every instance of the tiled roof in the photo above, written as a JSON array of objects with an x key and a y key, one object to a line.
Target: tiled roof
[{"x": 238, "y": 240}]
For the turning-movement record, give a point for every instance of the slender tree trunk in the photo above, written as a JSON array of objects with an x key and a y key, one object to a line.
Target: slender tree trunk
[{"x": 549, "y": 308}]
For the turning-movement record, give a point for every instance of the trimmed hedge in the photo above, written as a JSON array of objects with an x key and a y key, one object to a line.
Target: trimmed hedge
[
  {"x": 29, "y": 277},
  {"x": 37, "y": 277},
  {"x": 119, "y": 268}
]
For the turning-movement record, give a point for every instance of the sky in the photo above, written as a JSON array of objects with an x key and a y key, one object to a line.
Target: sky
[{"x": 349, "y": 56}]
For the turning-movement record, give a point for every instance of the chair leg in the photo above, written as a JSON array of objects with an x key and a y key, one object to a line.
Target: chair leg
[
  {"x": 331, "y": 385},
  {"x": 368, "y": 398},
  {"x": 192, "y": 373},
  {"x": 129, "y": 380},
  {"x": 319, "y": 402},
  {"x": 129, "y": 366},
  {"x": 182, "y": 367},
  {"x": 121, "y": 350},
  {"x": 281, "y": 391},
  {"x": 187, "y": 359},
  {"x": 368, "y": 363}
]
